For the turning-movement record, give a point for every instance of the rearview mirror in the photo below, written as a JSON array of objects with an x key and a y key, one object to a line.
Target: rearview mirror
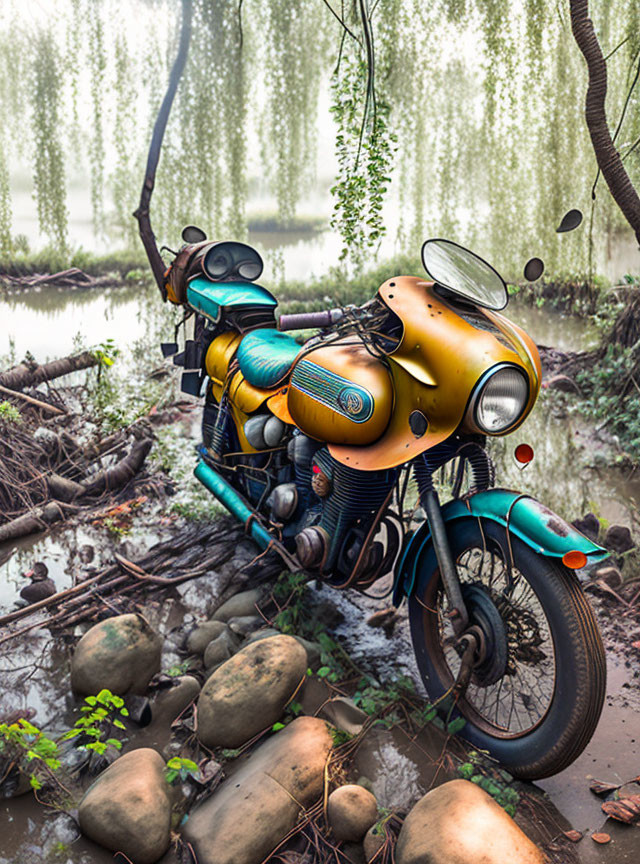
[{"x": 193, "y": 234}]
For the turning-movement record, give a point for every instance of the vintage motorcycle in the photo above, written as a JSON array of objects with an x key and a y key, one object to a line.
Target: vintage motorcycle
[{"x": 312, "y": 444}]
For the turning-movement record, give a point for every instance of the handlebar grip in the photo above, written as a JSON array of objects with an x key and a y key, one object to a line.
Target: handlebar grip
[{"x": 304, "y": 320}]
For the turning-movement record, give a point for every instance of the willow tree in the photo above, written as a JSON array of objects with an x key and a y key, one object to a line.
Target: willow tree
[
  {"x": 463, "y": 116},
  {"x": 49, "y": 176}
]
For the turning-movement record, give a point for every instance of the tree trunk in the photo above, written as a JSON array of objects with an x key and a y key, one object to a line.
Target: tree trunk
[
  {"x": 25, "y": 375},
  {"x": 607, "y": 156}
]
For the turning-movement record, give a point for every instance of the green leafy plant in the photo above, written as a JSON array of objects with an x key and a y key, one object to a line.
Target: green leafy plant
[
  {"x": 9, "y": 413},
  {"x": 178, "y": 767},
  {"x": 100, "y": 715},
  {"x": 290, "y": 592},
  {"x": 32, "y": 752},
  {"x": 495, "y": 781}
]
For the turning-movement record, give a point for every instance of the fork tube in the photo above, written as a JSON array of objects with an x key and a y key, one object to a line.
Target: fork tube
[{"x": 431, "y": 503}]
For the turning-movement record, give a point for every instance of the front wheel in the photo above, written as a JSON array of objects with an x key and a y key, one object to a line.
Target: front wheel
[{"x": 535, "y": 699}]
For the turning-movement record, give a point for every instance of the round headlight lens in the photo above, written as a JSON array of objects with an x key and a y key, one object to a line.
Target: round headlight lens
[{"x": 502, "y": 400}]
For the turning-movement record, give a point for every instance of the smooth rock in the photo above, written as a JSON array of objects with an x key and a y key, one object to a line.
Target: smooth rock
[
  {"x": 171, "y": 702},
  {"x": 127, "y": 809},
  {"x": 239, "y": 605},
  {"x": 618, "y": 538},
  {"x": 265, "y": 633},
  {"x": 250, "y": 813},
  {"x": 609, "y": 574},
  {"x": 220, "y": 649},
  {"x": 351, "y": 811},
  {"x": 589, "y": 525},
  {"x": 343, "y": 713},
  {"x": 242, "y": 625},
  {"x": 204, "y": 633},
  {"x": 354, "y": 853},
  {"x": 373, "y": 842},
  {"x": 249, "y": 692},
  {"x": 459, "y": 823},
  {"x": 314, "y": 651},
  {"x": 121, "y": 654}
]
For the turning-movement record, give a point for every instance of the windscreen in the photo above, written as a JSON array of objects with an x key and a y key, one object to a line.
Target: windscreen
[{"x": 464, "y": 273}]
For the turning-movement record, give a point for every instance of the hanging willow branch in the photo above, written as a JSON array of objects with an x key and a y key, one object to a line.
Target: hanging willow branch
[
  {"x": 607, "y": 156},
  {"x": 142, "y": 213}
]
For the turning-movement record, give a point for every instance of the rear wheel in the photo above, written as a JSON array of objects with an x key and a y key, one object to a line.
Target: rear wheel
[{"x": 535, "y": 699}]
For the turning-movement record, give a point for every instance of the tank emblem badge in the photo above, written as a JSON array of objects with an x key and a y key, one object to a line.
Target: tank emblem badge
[
  {"x": 350, "y": 400},
  {"x": 337, "y": 393}
]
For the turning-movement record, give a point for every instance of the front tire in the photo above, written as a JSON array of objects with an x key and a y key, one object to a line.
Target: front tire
[{"x": 535, "y": 700}]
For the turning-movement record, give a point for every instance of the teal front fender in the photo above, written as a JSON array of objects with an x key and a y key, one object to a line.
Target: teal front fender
[{"x": 528, "y": 519}]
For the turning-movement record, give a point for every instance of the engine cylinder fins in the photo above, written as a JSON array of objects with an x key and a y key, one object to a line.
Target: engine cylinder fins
[
  {"x": 311, "y": 547},
  {"x": 320, "y": 483},
  {"x": 284, "y": 501},
  {"x": 264, "y": 431}
]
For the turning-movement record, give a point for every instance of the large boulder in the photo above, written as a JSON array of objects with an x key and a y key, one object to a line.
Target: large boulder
[
  {"x": 250, "y": 813},
  {"x": 121, "y": 654},
  {"x": 351, "y": 811},
  {"x": 127, "y": 809},
  {"x": 249, "y": 691},
  {"x": 458, "y": 823}
]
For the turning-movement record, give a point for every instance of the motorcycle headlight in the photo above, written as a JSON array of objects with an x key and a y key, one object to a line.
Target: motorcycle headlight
[{"x": 500, "y": 400}]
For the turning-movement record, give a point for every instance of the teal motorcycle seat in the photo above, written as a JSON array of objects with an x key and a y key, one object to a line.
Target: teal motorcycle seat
[{"x": 265, "y": 357}]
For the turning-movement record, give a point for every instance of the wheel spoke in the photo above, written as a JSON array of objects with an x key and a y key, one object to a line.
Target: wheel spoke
[{"x": 519, "y": 698}]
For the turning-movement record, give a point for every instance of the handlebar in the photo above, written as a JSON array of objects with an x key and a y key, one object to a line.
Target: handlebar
[{"x": 304, "y": 320}]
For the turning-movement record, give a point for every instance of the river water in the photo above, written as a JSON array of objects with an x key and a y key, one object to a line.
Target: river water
[{"x": 571, "y": 473}]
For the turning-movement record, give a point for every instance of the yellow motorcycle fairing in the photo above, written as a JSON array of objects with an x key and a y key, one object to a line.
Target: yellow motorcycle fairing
[{"x": 440, "y": 358}]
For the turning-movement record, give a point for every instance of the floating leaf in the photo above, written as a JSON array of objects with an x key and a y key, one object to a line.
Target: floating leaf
[
  {"x": 625, "y": 810},
  {"x": 573, "y": 835},
  {"x": 533, "y": 269},
  {"x": 600, "y": 787},
  {"x": 601, "y": 837},
  {"x": 570, "y": 221}
]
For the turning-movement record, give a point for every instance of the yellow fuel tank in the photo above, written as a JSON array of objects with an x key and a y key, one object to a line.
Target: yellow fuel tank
[{"x": 340, "y": 393}]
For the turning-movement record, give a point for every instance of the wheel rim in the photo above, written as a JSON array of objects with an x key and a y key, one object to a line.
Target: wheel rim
[{"x": 512, "y": 689}]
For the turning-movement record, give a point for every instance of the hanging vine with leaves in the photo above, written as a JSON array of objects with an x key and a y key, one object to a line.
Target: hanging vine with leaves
[
  {"x": 49, "y": 178},
  {"x": 365, "y": 144}
]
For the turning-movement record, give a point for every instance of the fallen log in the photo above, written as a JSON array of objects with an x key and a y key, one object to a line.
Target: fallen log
[
  {"x": 36, "y": 520},
  {"x": 30, "y": 374},
  {"x": 119, "y": 474},
  {"x": 66, "y": 491},
  {"x": 89, "y": 597}
]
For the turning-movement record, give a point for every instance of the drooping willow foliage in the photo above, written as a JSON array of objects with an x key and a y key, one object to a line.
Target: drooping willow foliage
[{"x": 459, "y": 118}]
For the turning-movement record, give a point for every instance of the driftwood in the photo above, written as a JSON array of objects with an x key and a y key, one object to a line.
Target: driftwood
[
  {"x": 36, "y": 520},
  {"x": 30, "y": 375},
  {"x": 71, "y": 278},
  {"x": 67, "y": 491},
  {"x": 44, "y": 406},
  {"x": 195, "y": 552},
  {"x": 123, "y": 471}
]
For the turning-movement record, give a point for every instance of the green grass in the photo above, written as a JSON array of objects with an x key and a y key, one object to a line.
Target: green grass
[{"x": 49, "y": 260}]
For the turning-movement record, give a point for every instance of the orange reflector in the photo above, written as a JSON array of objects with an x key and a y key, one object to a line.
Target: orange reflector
[
  {"x": 574, "y": 560},
  {"x": 524, "y": 453}
]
